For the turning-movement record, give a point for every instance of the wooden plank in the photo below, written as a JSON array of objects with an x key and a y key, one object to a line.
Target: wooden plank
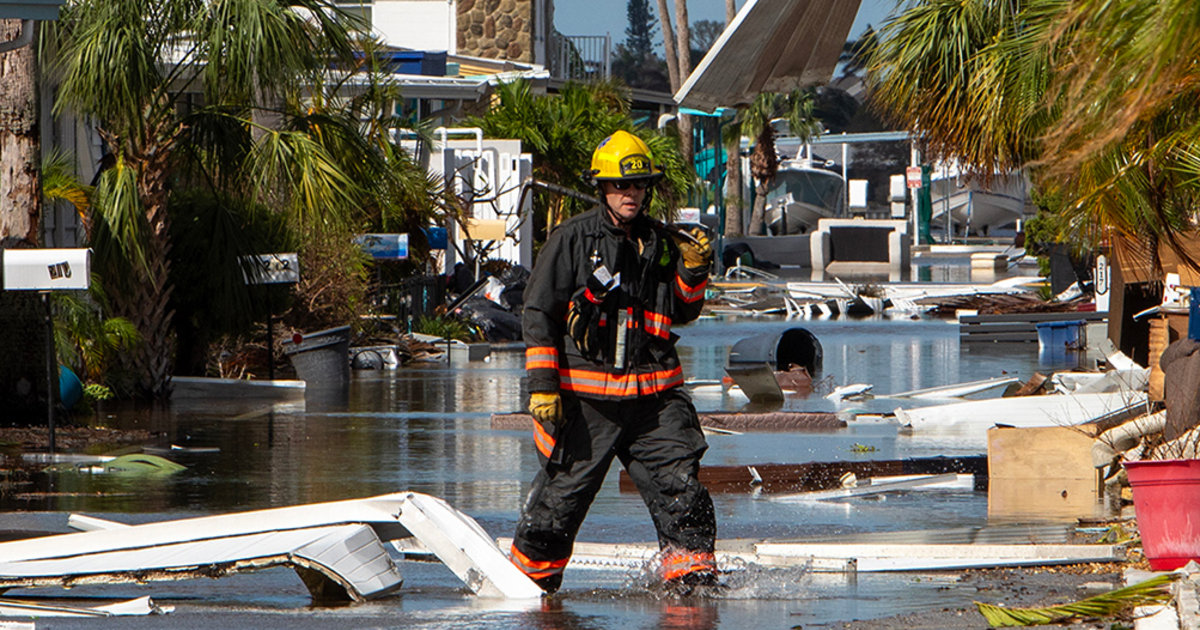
[
  {"x": 742, "y": 422},
  {"x": 998, "y": 327},
  {"x": 776, "y": 478},
  {"x": 1034, "y": 317},
  {"x": 1010, "y": 336},
  {"x": 866, "y": 489}
]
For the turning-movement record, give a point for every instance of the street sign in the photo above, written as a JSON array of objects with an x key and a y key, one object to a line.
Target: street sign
[
  {"x": 271, "y": 269},
  {"x": 912, "y": 175},
  {"x": 47, "y": 269},
  {"x": 384, "y": 246}
]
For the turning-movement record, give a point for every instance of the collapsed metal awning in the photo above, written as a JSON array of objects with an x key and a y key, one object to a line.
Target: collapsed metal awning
[
  {"x": 774, "y": 46},
  {"x": 335, "y": 547}
]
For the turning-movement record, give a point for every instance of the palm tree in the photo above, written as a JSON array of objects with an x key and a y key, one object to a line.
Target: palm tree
[
  {"x": 755, "y": 121},
  {"x": 1088, "y": 96},
  {"x": 969, "y": 76},
  {"x": 177, "y": 91},
  {"x": 561, "y": 131}
]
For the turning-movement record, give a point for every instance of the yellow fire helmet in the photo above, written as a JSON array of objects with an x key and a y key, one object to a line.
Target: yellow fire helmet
[{"x": 623, "y": 155}]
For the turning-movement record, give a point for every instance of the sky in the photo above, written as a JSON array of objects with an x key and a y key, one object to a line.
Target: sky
[{"x": 597, "y": 17}]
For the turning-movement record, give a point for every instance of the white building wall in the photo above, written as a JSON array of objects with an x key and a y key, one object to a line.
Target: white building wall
[{"x": 418, "y": 24}]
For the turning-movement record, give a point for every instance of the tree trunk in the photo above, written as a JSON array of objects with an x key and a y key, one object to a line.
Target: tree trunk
[
  {"x": 683, "y": 55},
  {"x": 23, "y": 378},
  {"x": 147, "y": 295},
  {"x": 733, "y": 193},
  {"x": 20, "y": 147},
  {"x": 730, "y": 12},
  {"x": 756, "y": 227},
  {"x": 683, "y": 43},
  {"x": 664, "y": 19}
]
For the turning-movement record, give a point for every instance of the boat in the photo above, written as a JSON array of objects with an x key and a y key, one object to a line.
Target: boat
[
  {"x": 976, "y": 207},
  {"x": 800, "y": 195}
]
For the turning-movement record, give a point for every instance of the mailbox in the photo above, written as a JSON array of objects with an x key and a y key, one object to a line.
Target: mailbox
[
  {"x": 271, "y": 269},
  {"x": 47, "y": 269}
]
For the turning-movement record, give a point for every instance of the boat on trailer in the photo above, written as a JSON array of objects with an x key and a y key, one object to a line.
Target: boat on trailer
[{"x": 802, "y": 194}]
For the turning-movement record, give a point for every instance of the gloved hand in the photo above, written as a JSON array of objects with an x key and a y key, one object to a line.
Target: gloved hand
[
  {"x": 546, "y": 406},
  {"x": 695, "y": 254},
  {"x": 580, "y": 328}
]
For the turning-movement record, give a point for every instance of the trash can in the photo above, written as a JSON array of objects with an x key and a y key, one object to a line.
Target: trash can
[
  {"x": 1062, "y": 335},
  {"x": 321, "y": 358},
  {"x": 794, "y": 346}
]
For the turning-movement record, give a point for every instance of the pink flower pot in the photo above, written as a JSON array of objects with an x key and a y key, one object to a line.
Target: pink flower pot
[{"x": 1166, "y": 495}]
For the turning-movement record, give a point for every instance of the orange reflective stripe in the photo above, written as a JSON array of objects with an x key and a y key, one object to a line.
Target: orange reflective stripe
[
  {"x": 677, "y": 564},
  {"x": 542, "y": 440},
  {"x": 658, "y": 325},
  {"x": 619, "y": 385},
  {"x": 536, "y": 569},
  {"x": 688, "y": 293},
  {"x": 541, "y": 357}
]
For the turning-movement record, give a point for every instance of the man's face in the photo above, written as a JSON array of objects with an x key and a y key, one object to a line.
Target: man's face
[{"x": 625, "y": 197}]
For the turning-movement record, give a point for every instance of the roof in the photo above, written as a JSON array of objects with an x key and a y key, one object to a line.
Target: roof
[
  {"x": 30, "y": 9},
  {"x": 771, "y": 46}
]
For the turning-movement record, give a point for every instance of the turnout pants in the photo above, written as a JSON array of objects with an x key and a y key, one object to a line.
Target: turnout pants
[{"x": 658, "y": 440}]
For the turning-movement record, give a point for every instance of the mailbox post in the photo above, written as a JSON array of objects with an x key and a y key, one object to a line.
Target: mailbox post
[
  {"x": 271, "y": 269},
  {"x": 46, "y": 270}
]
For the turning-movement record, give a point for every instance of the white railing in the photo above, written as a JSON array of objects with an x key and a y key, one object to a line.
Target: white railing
[{"x": 580, "y": 57}]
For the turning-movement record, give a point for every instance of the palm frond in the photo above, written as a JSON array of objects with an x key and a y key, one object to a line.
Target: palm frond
[
  {"x": 1156, "y": 590},
  {"x": 59, "y": 183}
]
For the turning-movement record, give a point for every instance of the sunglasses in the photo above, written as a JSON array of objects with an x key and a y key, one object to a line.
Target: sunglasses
[{"x": 640, "y": 184}]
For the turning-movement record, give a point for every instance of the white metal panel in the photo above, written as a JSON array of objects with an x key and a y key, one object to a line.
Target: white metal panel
[
  {"x": 774, "y": 46},
  {"x": 417, "y": 24},
  {"x": 462, "y": 545},
  {"x": 331, "y": 537}
]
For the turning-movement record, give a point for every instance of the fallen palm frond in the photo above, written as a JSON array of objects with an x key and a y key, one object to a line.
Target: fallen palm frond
[{"x": 1153, "y": 591}]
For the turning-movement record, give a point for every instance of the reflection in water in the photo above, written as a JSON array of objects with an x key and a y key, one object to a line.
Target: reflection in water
[{"x": 426, "y": 428}]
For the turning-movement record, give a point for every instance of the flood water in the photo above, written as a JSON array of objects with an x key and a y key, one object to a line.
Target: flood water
[{"x": 426, "y": 428}]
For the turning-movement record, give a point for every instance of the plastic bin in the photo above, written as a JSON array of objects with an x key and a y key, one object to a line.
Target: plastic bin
[
  {"x": 321, "y": 358},
  {"x": 1064, "y": 335}
]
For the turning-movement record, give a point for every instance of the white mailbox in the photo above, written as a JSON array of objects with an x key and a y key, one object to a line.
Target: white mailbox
[
  {"x": 47, "y": 269},
  {"x": 271, "y": 269}
]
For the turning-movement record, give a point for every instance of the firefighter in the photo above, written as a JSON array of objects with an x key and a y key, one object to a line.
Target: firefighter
[{"x": 604, "y": 377}]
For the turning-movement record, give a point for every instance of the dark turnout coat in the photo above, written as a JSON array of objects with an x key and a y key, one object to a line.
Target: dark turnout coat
[{"x": 655, "y": 291}]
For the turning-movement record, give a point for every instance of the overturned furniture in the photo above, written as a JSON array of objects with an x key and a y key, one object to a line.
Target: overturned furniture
[{"x": 337, "y": 548}]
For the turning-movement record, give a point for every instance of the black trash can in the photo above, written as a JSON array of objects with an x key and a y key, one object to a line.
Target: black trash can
[
  {"x": 782, "y": 350},
  {"x": 321, "y": 358}
]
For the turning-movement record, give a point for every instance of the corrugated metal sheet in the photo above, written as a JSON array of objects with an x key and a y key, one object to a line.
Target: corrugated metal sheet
[
  {"x": 339, "y": 540},
  {"x": 774, "y": 46}
]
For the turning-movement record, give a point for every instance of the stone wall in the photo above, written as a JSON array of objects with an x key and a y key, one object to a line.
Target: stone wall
[{"x": 501, "y": 29}]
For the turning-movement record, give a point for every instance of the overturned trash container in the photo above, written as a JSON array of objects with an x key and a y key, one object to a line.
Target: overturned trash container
[
  {"x": 755, "y": 361},
  {"x": 321, "y": 358},
  {"x": 781, "y": 351}
]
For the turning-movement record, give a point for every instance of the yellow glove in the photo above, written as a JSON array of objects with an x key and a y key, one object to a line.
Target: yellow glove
[
  {"x": 546, "y": 406},
  {"x": 695, "y": 254}
]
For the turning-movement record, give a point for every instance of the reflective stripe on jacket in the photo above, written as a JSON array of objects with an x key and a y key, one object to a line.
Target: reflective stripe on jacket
[{"x": 656, "y": 291}]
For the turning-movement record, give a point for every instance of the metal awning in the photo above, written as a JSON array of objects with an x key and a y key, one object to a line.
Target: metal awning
[
  {"x": 30, "y": 9},
  {"x": 771, "y": 46}
]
